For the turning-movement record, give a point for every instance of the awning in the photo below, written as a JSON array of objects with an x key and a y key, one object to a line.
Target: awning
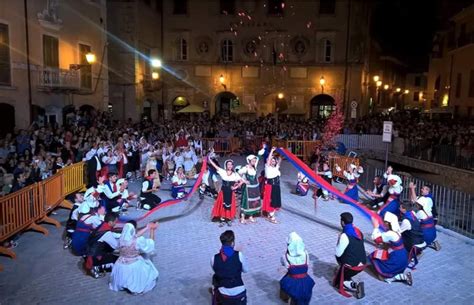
[{"x": 192, "y": 109}]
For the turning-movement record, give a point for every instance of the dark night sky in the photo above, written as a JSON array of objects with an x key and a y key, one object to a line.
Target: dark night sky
[{"x": 404, "y": 29}]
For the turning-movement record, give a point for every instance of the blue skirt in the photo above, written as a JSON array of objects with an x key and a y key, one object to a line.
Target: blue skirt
[
  {"x": 396, "y": 263},
  {"x": 352, "y": 193},
  {"x": 393, "y": 207},
  {"x": 300, "y": 290},
  {"x": 429, "y": 235},
  {"x": 175, "y": 190}
]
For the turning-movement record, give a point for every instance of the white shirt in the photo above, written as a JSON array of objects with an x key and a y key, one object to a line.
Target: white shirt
[
  {"x": 145, "y": 185},
  {"x": 111, "y": 238},
  {"x": 427, "y": 204},
  {"x": 232, "y": 177},
  {"x": 235, "y": 290},
  {"x": 272, "y": 171},
  {"x": 342, "y": 244}
]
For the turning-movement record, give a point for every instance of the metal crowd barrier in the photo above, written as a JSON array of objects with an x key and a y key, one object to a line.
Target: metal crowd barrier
[{"x": 26, "y": 208}]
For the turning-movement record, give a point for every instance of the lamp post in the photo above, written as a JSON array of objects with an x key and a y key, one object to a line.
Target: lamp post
[
  {"x": 322, "y": 81},
  {"x": 222, "y": 81}
]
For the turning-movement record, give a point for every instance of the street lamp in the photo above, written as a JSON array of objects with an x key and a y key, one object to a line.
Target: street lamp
[
  {"x": 90, "y": 57},
  {"x": 322, "y": 81},
  {"x": 386, "y": 86},
  {"x": 378, "y": 83},
  {"x": 398, "y": 90},
  {"x": 376, "y": 78},
  {"x": 222, "y": 80},
  {"x": 280, "y": 95},
  {"x": 155, "y": 63},
  {"x": 155, "y": 75},
  {"x": 406, "y": 91}
]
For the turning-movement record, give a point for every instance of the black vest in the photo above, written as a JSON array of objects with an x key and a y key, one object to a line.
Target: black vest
[
  {"x": 150, "y": 186},
  {"x": 379, "y": 188},
  {"x": 414, "y": 236},
  {"x": 96, "y": 248},
  {"x": 354, "y": 253},
  {"x": 228, "y": 274}
]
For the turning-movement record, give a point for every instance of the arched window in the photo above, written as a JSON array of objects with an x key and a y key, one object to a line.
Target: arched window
[
  {"x": 327, "y": 50},
  {"x": 227, "y": 50},
  {"x": 182, "y": 49}
]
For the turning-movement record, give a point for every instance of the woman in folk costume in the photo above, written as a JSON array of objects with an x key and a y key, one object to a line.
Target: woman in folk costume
[
  {"x": 225, "y": 204},
  {"x": 302, "y": 186},
  {"x": 132, "y": 271},
  {"x": 121, "y": 154},
  {"x": 392, "y": 204},
  {"x": 177, "y": 184},
  {"x": 271, "y": 190},
  {"x": 189, "y": 163},
  {"x": 250, "y": 204},
  {"x": 152, "y": 164},
  {"x": 352, "y": 175},
  {"x": 390, "y": 264},
  {"x": 296, "y": 284}
]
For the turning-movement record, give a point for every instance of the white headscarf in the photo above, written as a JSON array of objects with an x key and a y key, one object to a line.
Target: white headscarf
[
  {"x": 296, "y": 253},
  {"x": 250, "y": 158},
  {"x": 127, "y": 236},
  {"x": 393, "y": 220}
]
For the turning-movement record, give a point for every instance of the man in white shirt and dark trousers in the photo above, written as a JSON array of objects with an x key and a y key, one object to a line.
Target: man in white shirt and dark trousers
[
  {"x": 148, "y": 199},
  {"x": 351, "y": 257},
  {"x": 93, "y": 166},
  {"x": 228, "y": 266}
]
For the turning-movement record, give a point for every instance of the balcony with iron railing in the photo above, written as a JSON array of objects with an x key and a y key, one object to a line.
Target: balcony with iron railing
[{"x": 58, "y": 79}]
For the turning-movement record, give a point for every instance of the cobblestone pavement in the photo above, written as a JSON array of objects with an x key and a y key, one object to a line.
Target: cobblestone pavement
[{"x": 44, "y": 273}]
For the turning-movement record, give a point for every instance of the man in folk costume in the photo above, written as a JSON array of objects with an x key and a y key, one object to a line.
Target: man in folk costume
[
  {"x": 101, "y": 246},
  {"x": 302, "y": 186},
  {"x": 392, "y": 204},
  {"x": 411, "y": 231},
  {"x": 111, "y": 193},
  {"x": 326, "y": 174},
  {"x": 426, "y": 214},
  {"x": 390, "y": 264},
  {"x": 86, "y": 224},
  {"x": 228, "y": 265},
  {"x": 72, "y": 219},
  {"x": 148, "y": 199},
  {"x": 378, "y": 194},
  {"x": 352, "y": 175},
  {"x": 296, "y": 285},
  {"x": 250, "y": 204},
  {"x": 178, "y": 182},
  {"x": 351, "y": 257},
  {"x": 272, "y": 191},
  {"x": 93, "y": 165},
  {"x": 225, "y": 204}
]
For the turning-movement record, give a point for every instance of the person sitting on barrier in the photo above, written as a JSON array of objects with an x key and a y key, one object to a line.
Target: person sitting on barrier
[
  {"x": 379, "y": 193},
  {"x": 389, "y": 264},
  {"x": 133, "y": 270},
  {"x": 302, "y": 186},
  {"x": 327, "y": 175},
  {"x": 88, "y": 221},
  {"x": 178, "y": 182},
  {"x": 352, "y": 175},
  {"x": 296, "y": 285},
  {"x": 392, "y": 203},
  {"x": 148, "y": 199},
  {"x": 228, "y": 265},
  {"x": 72, "y": 219},
  {"x": 411, "y": 231},
  {"x": 350, "y": 256},
  {"x": 101, "y": 246}
]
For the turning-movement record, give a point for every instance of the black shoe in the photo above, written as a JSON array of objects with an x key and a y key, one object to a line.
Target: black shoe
[
  {"x": 229, "y": 223},
  {"x": 409, "y": 279},
  {"x": 360, "y": 290},
  {"x": 436, "y": 245},
  {"x": 95, "y": 272}
]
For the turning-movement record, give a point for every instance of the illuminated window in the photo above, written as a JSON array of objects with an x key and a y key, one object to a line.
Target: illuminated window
[
  {"x": 182, "y": 49},
  {"x": 227, "y": 51}
]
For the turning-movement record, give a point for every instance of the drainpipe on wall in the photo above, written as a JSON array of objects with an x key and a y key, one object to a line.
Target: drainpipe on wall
[
  {"x": 346, "y": 70},
  {"x": 28, "y": 68}
]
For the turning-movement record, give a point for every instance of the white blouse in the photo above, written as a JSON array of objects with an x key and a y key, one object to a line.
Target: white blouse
[
  {"x": 272, "y": 171},
  {"x": 232, "y": 177}
]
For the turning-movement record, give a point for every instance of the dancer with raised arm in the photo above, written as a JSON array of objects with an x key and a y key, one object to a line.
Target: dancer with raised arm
[
  {"x": 271, "y": 190},
  {"x": 225, "y": 204},
  {"x": 250, "y": 204}
]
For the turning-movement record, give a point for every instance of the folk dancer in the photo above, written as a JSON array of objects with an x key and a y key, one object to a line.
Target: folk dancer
[
  {"x": 72, "y": 219},
  {"x": 272, "y": 191},
  {"x": 125, "y": 195},
  {"x": 392, "y": 204},
  {"x": 101, "y": 246},
  {"x": 390, "y": 264},
  {"x": 411, "y": 231},
  {"x": 88, "y": 222},
  {"x": 352, "y": 174},
  {"x": 189, "y": 164},
  {"x": 350, "y": 256},
  {"x": 302, "y": 186},
  {"x": 111, "y": 193},
  {"x": 149, "y": 200},
  {"x": 296, "y": 285},
  {"x": 93, "y": 165},
  {"x": 178, "y": 182},
  {"x": 326, "y": 174},
  {"x": 228, "y": 265},
  {"x": 133, "y": 270},
  {"x": 225, "y": 204},
  {"x": 426, "y": 214},
  {"x": 250, "y": 204},
  {"x": 378, "y": 194}
]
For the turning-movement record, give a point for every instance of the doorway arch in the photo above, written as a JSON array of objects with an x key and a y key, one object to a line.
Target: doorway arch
[
  {"x": 223, "y": 102},
  {"x": 7, "y": 119},
  {"x": 322, "y": 105}
]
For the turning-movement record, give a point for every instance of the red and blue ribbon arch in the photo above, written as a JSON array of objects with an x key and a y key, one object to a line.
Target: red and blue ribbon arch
[{"x": 320, "y": 182}]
